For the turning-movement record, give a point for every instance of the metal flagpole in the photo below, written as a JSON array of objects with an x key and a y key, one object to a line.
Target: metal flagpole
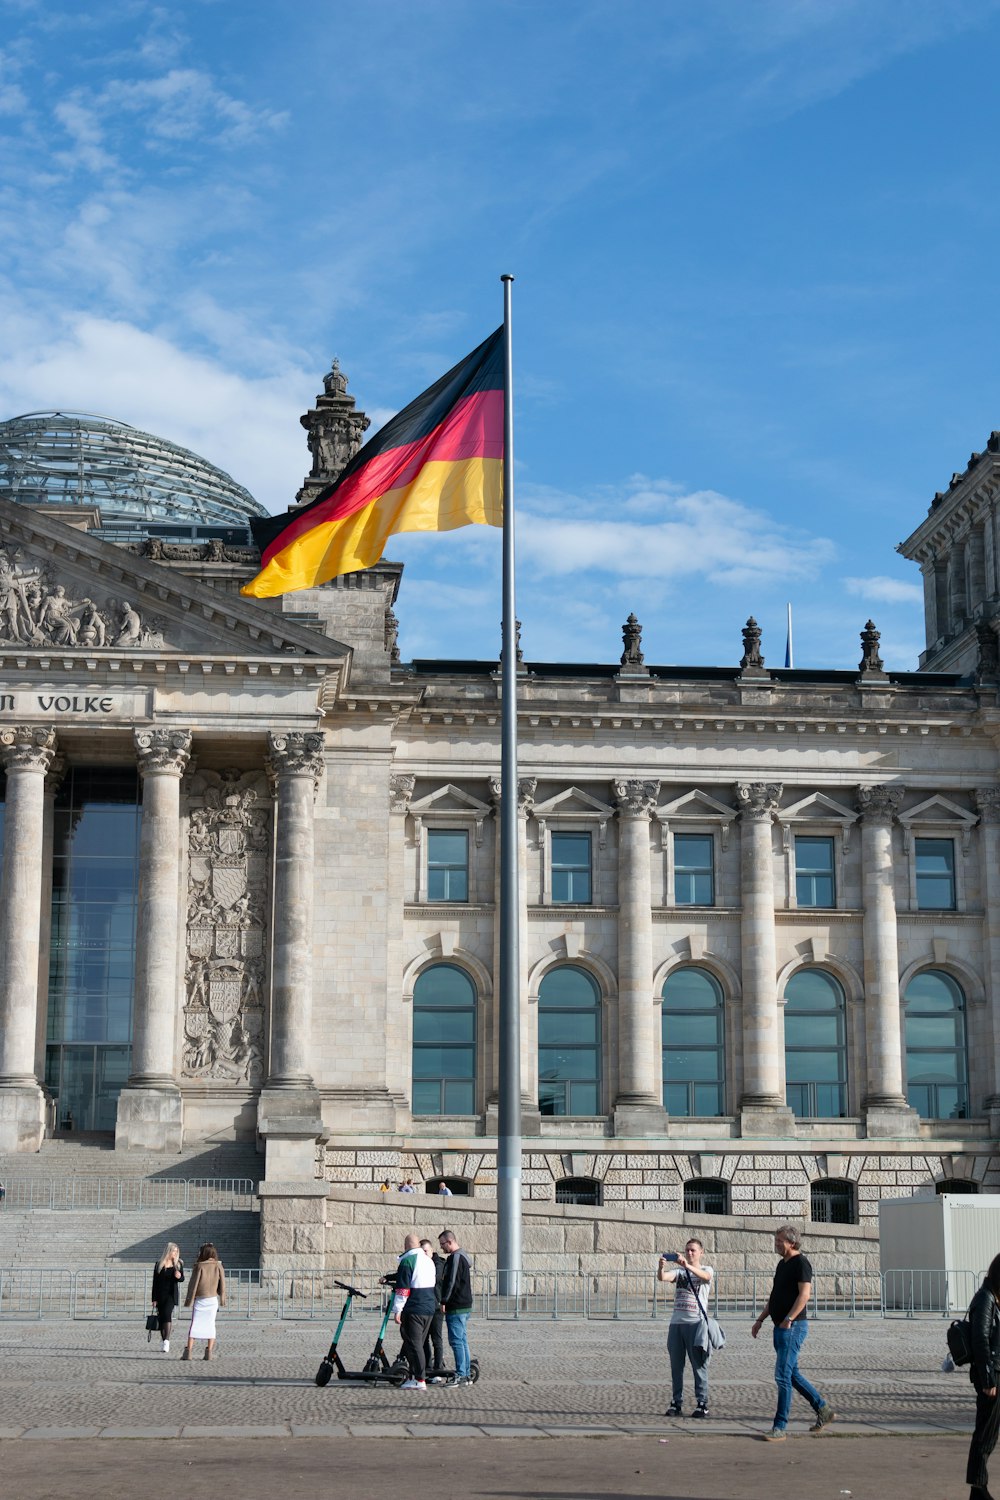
[
  {"x": 789, "y": 652},
  {"x": 509, "y": 1103}
]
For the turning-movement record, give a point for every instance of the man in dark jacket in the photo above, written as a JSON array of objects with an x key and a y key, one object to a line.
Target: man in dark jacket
[
  {"x": 984, "y": 1372},
  {"x": 456, "y": 1299}
]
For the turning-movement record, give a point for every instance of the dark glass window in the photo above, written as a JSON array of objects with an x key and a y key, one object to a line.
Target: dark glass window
[
  {"x": 569, "y": 1043},
  {"x": 935, "y": 874},
  {"x": 694, "y": 875},
  {"x": 571, "y": 880},
  {"x": 936, "y": 1061},
  {"x": 705, "y": 1195},
  {"x": 832, "y": 1203},
  {"x": 693, "y": 1043},
  {"x": 815, "y": 1046},
  {"x": 444, "y": 1042},
  {"x": 814, "y": 879},
  {"x": 447, "y": 865},
  {"x": 582, "y": 1190},
  {"x": 955, "y": 1185}
]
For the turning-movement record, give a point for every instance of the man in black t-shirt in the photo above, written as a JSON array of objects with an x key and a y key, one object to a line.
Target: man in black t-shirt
[{"x": 786, "y": 1307}]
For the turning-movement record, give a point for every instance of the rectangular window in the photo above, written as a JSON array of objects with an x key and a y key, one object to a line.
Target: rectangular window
[
  {"x": 814, "y": 882},
  {"x": 447, "y": 865},
  {"x": 694, "y": 875},
  {"x": 571, "y": 882},
  {"x": 935, "y": 874}
]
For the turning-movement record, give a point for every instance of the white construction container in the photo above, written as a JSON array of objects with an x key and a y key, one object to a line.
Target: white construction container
[{"x": 933, "y": 1251}]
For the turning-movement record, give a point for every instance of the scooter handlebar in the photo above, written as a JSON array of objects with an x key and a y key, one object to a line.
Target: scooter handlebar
[{"x": 352, "y": 1289}]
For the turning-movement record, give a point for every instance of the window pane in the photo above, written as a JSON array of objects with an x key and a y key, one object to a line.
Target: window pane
[
  {"x": 551, "y": 1098},
  {"x": 691, "y": 989},
  {"x": 814, "y": 890},
  {"x": 447, "y": 885},
  {"x": 935, "y": 862},
  {"x": 675, "y": 1098},
  {"x": 443, "y": 1062},
  {"x": 443, "y": 1025},
  {"x": 560, "y": 1063},
  {"x": 703, "y": 1066},
  {"x": 814, "y": 854},
  {"x": 933, "y": 1067},
  {"x": 693, "y": 869},
  {"x": 935, "y": 856},
  {"x": 812, "y": 1031},
  {"x": 571, "y": 867},
  {"x": 812, "y": 989},
  {"x": 567, "y": 1028},
  {"x": 583, "y": 1099},
  {"x": 446, "y": 847},
  {"x": 426, "y": 1097},
  {"x": 444, "y": 985},
  {"x": 931, "y": 991},
  {"x": 692, "y": 1030},
  {"x": 708, "y": 1100},
  {"x": 813, "y": 1067},
  {"x": 567, "y": 986},
  {"x": 934, "y": 1031},
  {"x": 459, "y": 1097}
]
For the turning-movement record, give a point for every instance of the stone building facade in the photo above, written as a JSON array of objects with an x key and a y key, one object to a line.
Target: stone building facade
[{"x": 250, "y": 872}]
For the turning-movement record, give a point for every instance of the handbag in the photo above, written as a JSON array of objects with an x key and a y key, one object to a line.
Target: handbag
[
  {"x": 715, "y": 1330},
  {"x": 152, "y": 1326}
]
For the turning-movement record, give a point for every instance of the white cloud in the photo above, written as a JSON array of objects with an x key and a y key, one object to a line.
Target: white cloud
[{"x": 885, "y": 590}]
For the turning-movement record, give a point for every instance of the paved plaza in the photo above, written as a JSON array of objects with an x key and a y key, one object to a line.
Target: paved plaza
[{"x": 102, "y": 1380}]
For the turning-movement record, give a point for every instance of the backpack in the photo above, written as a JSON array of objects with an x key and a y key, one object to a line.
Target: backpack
[{"x": 959, "y": 1337}]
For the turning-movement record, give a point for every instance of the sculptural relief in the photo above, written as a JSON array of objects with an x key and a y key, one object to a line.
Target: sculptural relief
[
  {"x": 229, "y": 841},
  {"x": 34, "y": 611}
]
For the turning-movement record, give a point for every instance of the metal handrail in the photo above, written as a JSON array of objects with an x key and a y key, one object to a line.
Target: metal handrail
[{"x": 127, "y": 1194}]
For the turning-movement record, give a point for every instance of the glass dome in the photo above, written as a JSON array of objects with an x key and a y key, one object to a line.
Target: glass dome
[{"x": 135, "y": 480}]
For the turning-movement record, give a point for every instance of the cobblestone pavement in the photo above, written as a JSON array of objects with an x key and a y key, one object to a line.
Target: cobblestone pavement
[{"x": 101, "y": 1379}]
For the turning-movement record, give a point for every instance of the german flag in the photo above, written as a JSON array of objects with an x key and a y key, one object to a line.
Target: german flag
[{"x": 436, "y": 466}]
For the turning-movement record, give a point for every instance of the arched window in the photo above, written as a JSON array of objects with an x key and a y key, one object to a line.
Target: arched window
[
  {"x": 694, "y": 1066},
  {"x": 832, "y": 1202},
  {"x": 459, "y": 1186},
  {"x": 955, "y": 1185},
  {"x": 936, "y": 1065},
  {"x": 815, "y": 1046},
  {"x": 705, "y": 1195},
  {"x": 582, "y": 1190},
  {"x": 444, "y": 1042},
  {"x": 569, "y": 1043}
]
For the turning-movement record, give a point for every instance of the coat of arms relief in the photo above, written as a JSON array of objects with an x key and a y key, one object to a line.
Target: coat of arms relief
[
  {"x": 229, "y": 844},
  {"x": 34, "y": 611}
]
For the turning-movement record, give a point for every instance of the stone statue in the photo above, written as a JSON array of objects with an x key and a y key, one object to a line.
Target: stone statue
[
  {"x": 632, "y": 637},
  {"x": 37, "y": 612},
  {"x": 870, "y": 659},
  {"x": 392, "y": 636},
  {"x": 751, "y": 646}
]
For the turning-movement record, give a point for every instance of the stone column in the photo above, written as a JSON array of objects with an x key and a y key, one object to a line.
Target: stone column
[
  {"x": 976, "y": 545},
  {"x": 150, "y": 1109},
  {"x": 289, "y": 1110},
  {"x": 398, "y": 1053},
  {"x": 638, "y": 1109},
  {"x": 988, "y": 803},
  {"x": 26, "y": 754},
  {"x": 885, "y": 1107},
  {"x": 958, "y": 606},
  {"x": 53, "y": 782},
  {"x": 762, "y": 1109}
]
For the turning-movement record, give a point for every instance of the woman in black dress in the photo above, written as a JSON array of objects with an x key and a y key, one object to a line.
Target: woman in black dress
[{"x": 168, "y": 1273}]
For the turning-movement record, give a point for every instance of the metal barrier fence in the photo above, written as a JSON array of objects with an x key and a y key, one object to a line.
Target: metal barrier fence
[
  {"x": 122, "y": 1292},
  {"x": 128, "y": 1194}
]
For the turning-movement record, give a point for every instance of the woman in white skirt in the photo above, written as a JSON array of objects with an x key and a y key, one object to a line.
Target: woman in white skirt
[{"x": 206, "y": 1293}]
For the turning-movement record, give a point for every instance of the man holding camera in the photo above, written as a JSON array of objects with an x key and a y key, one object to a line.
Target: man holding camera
[
  {"x": 786, "y": 1307},
  {"x": 685, "y": 1338}
]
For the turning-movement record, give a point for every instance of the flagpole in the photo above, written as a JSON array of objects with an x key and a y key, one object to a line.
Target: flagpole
[
  {"x": 789, "y": 650},
  {"x": 509, "y": 1102}
]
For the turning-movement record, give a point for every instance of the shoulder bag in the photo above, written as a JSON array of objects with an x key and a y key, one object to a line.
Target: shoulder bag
[{"x": 716, "y": 1333}]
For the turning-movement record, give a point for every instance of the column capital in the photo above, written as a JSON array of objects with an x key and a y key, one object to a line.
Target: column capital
[
  {"x": 54, "y": 775},
  {"x": 296, "y": 754},
  {"x": 525, "y": 793},
  {"x": 879, "y": 804},
  {"x": 634, "y": 798},
  {"x": 758, "y": 800},
  {"x": 988, "y": 803},
  {"x": 162, "y": 752},
  {"x": 24, "y": 747},
  {"x": 400, "y": 792}
]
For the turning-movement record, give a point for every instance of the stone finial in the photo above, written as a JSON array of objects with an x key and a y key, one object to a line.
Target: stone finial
[
  {"x": 525, "y": 793},
  {"x": 880, "y": 803},
  {"x": 519, "y": 654},
  {"x": 632, "y": 638},
  {"x": 392, "y": 636},
  {"x": 635, "y": 799},
  {"x": 334, "y": 432},
  {"x": 162, "y": 752},
  {"x": 400, "y": 792},
  {"x": 751, "y": 646},
  {"x": 26, "y": 748},
  {"x": 296, "y": 754},
  {"x": 870, "y": 659},
  {"x": 758, "y": 800},
  {"x": 988, "y": 803}
]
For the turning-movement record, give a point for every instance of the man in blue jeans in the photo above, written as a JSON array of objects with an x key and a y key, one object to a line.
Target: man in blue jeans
[
  {"x": 786, "y": 1307},
  {"x": 456, "y": 1299}
]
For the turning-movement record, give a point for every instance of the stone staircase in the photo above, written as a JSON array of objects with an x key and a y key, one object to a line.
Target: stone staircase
[{"x": 80, "y": 1237}]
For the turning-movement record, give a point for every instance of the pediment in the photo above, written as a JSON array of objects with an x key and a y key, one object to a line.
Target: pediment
[
  {"x": 575, "y": 803},
  {"x": 938, "y": 809},
  {"x": 66, "y": 593},
  {"x": 818, "y": 808},
  {"x": 695, "y": 804},
  {"x": 450, "y": 800}
]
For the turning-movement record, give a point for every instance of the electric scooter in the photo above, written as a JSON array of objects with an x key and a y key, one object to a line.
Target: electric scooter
[{"x": 378, "y": 1366}]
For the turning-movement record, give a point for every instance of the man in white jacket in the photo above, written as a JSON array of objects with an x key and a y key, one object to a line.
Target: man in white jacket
[{"x": 414, "y": 1306}]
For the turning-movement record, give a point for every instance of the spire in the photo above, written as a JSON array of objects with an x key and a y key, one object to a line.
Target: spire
[{"x": 334, "y": 433}]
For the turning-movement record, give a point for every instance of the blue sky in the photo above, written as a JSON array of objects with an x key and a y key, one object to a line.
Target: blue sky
[{"x": 755, "y": 244}]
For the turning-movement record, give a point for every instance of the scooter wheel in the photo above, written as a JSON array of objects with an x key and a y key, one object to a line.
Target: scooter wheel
[
  {"x": 396, "y": 1376},
  {"x": 324, "y": 1372},
  {"x": 474, "y": 1370}
]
